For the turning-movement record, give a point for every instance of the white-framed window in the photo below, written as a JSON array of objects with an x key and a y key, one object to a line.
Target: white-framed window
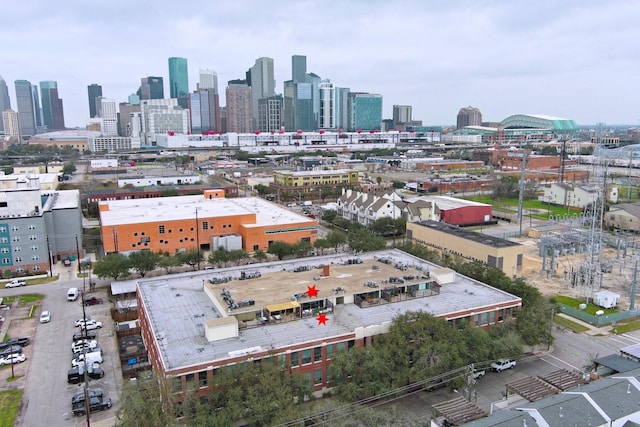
[
  {"x": 36, "y": 268},
  {"x": 35, "y": 257},
  {"x": 15, "y": 238},
  {"x": 33, "y": 237},
  {"x": 4, "y": 240},
  {"x": 19, "y": 270},
  {"x": 18, "y": 259},
  {"x": 32, "y": 227},
  {"x": 17, "y": 248},
  {"x": 4, "y": 250},
  {"x": 6, "y": 260},
  {"x": 3, "y": 229},
  {"x": 15, "y": 228},
  {"x": 34, "y": 247}
]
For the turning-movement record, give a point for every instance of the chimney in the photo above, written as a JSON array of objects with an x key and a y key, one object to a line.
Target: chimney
[{"x": 325, "y": 270}]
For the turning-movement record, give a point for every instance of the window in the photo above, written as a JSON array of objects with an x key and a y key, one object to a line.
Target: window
[
  {"x": 6, "y": 261},
  {"x": 34, "y": 247},
  {"x": 17, "y": 249},
  {"x": 177, "y": 384},
  {"x": 202, "y": 379},
  {"x": 31, "y": 227},
  {"x": 4, "y": 250},
  {"x": 295, "y": 358},
  {"x": 36, "y": 268},
  {"x": 35, "y": 257},
  {"x": 180, "y": 230},
  {"x": 3, "y": 229},
  {"x": 161, "y": 229},
  {"x": 329, "y": 351},
  {"x": 317, "y": 354},
  {"x": 340, "y": 346},
  {"x": 4, "y": 240},
  {"x": 483, "y": 318},
  {"x": 492, "y": 317},
  {"x": 15, "y": 228},
  {"x": 306, "y": 356},
  {"x": 205, "y": 225},
  {"x": 15, "y": 238},
  {"x": 19, "y": 270},
  {"x": 191, "y": 381},
  {"x": 18, "y": 259},
  {"x": 256, "y": 247},
  {"x": 317, "y": 376}
]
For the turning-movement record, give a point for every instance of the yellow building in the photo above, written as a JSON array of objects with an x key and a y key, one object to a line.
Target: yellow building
[
  {"x": 312, "y": 184},
  {"x": 452, "y": 240}
]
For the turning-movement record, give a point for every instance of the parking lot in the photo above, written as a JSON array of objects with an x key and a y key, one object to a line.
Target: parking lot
[{"x": 43, "y": 376}]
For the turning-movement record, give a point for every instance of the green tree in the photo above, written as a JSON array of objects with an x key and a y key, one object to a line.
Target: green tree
[
  {"x": 321, "y": 244},
  {"x": 329, "y": 215},
  {"x": 261, "y": 189},
  {"x": 146, "y": 403},
  {"x": 143, "y": 261},
  {"x": 113, "y": 265},
  {"x": 238, "y": 255},
  {"x": 336, "y": 239},
  {"x": 507, "y": 187},
  {"x": 363, "y": 241},
  {"x": 219, "y": 256},
  {"x": 397, "y": 184},
  {"x": 68, "y": 169},
  {"x": 260, "y": 255},
  {"x": 281, "y": 249},
  {"x": 167, "y": 261},
  {"x": 191, "y": 257}
]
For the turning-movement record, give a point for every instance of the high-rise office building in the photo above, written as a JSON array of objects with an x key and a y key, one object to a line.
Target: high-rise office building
[
  {"x": 26, "y": 107},
  {"x": 5, "y": 101},
  {"x": 52, "y": 110},
  {"x": 11, "y": 125},
  {"x": 365, "y": 111},
  {"x": 109, "y": 116},
  {"x": 35, "y": 95},
  {"x": 94, "y": 91},
  {"x": 327, "y": 118},
  {"x": 205, "y": 111},
  {"x": 270, "y": 114},
  {"x": 401, "y": 114},
  {"x": 126, "y": 109},
  {"x": 314, "y": 80},
  {"x": 261, "y": 79},
  {"x": 151, "y": 88},
  {"x": 468, "y": 116},
  {"x": 179, "y": 81},
  {"x": 342, "y": 107},
  {"x": 208, "y": 80},
  {"x": 238, "y": 109},
  {"x": 162, "y": 116},
  {"x": 298, "y": 68}
]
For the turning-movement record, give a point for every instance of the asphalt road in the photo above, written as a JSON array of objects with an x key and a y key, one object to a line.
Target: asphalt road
[{"x": 47, "y": 395}]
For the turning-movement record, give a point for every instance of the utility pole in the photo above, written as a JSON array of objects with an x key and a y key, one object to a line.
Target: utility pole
[
  {"x": 83, "y": 328},
  {"x": 521, "y": 193},
  {"x": 78, "y": 254},
  {"x": 198, "y": 236}
]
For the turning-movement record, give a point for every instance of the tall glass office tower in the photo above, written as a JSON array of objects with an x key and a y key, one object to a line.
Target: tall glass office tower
[
  {"x": 94, "y": 91},
  {"x": 26, "y": 107},
  {"x": 5, "y": 102},
  {"x": 52, "y": 110},
  {"x": 178, "y": 77}
]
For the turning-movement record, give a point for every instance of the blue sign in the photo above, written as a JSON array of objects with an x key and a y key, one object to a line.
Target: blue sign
[{"x": 132, "y": 361}]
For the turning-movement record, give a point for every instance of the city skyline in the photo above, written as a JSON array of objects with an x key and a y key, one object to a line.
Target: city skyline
[{"x": 575, "y": 60}]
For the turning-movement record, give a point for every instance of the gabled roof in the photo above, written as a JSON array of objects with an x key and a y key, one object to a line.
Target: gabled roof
[{"x": 630, "y": 208}]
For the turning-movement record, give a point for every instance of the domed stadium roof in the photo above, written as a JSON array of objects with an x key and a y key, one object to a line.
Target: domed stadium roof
[
  {"x": 626, "y": 152},
  {"x": 539, "y": 121}
]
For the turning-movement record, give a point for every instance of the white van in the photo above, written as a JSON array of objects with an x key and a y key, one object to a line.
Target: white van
[{"x": 72, "y": 294}]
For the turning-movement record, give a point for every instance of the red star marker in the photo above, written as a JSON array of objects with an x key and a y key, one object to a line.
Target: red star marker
[
  {"x": 322, "y": 319},
  {"x": 312, "y": 291}
]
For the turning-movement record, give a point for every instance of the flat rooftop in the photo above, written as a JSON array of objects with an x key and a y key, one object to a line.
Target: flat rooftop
[
  {"x": 473, "y": 236},
  {"x": 179, "y": 307},
  {"x": 184, "y": 207}
]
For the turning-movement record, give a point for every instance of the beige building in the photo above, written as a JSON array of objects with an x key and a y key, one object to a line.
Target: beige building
[
  {"x": 625, "y": 216},
  {"x": 452, "y": 240}
]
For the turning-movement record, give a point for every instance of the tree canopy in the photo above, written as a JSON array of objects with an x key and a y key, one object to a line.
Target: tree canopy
[{"x": 114, "y": 265}]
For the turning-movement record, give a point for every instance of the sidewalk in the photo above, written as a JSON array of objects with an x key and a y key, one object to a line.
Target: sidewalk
[{"x": 592, "y": 330}]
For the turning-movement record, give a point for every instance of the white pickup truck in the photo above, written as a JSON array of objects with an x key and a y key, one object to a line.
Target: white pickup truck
[
  {"x": 15, "y": 283},
  {"x": 503, "y": 364}
]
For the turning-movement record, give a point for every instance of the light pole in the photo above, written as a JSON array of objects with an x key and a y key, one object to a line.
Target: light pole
[{"x": 198, "y": 237}]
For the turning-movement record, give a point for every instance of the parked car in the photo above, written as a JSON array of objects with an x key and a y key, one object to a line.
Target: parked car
[
  {"x": 15, "y": 283},
  {"x": 66, "y": 263},
  {"x": 84, "y": 335},
  {"x": 93, "y": 301},
  {"x": 22, "y": 342},
  {"x": 13, "y": 358},
  {"x": 89, "y": 326},
  {"x": 95, "y": 404},
  {"x": 478, "y": 374},
  {"x": 81, "y": 321},
  {"x": 80, "y": 346},
  {"x": 93, "y": 357},
  {"x": 9, "y": 349},
  {"x": 503, "y": 364},
  {"x": 45, "y": 317},
  {"x": 79, "y": 397},
  {"x": 75, "y": 375}
]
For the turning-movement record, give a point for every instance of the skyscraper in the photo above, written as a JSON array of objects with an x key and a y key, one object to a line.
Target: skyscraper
[
  {"x": 35, "y": 96},
  {"x": 11, "y": 123},
  {"x": 5, "y": 102},
  {"x": 298, "y": 68},
  {"x": 208, "y": 80},
  {"x": 270, "y": 114},
  {"x": 94, "y": 91},
  {"x": 401, "y": 114},
  {"x": 261, "y": 79},
  {"x": 327, "y": 118},
  {"x": 239, "y": 113},
  {"x": 52, "y": 110},
  {"x": 468, "y": 116},
  {"x": 365, "y": 111},
  {"x": 26, "y": 107},
  {"x": 205, "y": 111},
  {"x": 178, "y": 78},
  {"x": 342, "y": 107},
  {"x": 151, "y": 88},
  {"x": 126, "y": 109},
  {"x": 109, "y": 116}
]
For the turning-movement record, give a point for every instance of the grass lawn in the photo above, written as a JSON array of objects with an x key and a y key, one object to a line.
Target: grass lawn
[
  {"x": 626, "y": 326},
  {"x": 28, "y": 298},
  {"x": 591, "y": 309},
  {"x": 9, "y": 403},
  {"x": 511, "y": 205},
  {"x": 569, "y": 324}
]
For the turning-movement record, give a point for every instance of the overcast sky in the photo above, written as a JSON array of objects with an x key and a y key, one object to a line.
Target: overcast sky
[{"x": 573, "y": 59}]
